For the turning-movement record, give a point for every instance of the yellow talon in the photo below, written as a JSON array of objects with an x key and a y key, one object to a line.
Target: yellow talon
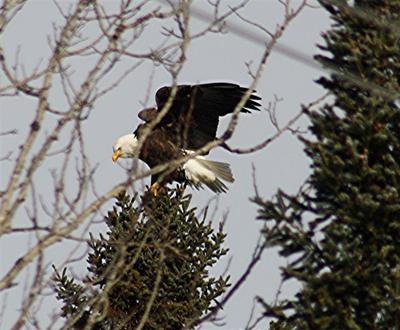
[{"x": 154, "y": 189}]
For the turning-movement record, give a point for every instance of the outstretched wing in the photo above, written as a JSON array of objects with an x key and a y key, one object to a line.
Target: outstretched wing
[{"x": 194, "y": 113}]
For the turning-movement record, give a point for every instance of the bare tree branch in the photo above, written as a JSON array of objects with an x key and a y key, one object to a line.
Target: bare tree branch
[{"x": 55, "y": 135}]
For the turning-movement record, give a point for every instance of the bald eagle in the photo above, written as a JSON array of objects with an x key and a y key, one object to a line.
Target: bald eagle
[{"x": 189, "y": 124}]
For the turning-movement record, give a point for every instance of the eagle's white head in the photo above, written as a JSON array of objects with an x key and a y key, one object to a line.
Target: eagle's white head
[{"x": 125, "y": 147}]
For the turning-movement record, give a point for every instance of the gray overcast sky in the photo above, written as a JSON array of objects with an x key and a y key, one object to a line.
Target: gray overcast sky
[{"x": 212, "y": 58}]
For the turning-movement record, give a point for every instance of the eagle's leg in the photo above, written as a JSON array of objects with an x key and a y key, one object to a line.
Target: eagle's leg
[
  {"x": 154, "y": 188},
  {"x": 156, "y": 185}
]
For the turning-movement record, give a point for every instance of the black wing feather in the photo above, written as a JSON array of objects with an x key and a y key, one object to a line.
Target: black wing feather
[
  {"x": 194, "y": 113},
  {"x": 223, "y": 98}
]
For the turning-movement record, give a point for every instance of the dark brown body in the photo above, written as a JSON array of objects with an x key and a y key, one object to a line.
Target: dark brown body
[{"x": 158, "y": 149}]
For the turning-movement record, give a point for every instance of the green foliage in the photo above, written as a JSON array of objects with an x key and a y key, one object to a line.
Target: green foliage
[
  {"x": 70, "y": 293},
  {"x": 151, "y": 270},
  {"x": 341, "y": 232}
]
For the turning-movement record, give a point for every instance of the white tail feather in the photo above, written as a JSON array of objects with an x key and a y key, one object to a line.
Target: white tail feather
[
  {"x": 202, "y": 171},
  {"x": 221, "y": 170}
]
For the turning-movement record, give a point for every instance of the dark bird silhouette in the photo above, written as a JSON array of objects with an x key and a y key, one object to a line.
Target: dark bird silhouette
[{"x": 190, "y": 122}]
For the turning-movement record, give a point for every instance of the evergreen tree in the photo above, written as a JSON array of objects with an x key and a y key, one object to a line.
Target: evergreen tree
[
  {"x": 151, "y": 272},
  {"x": 341, "y": 233}
]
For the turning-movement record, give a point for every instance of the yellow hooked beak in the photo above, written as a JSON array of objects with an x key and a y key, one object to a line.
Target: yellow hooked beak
[{"x": 116, "y": 154}]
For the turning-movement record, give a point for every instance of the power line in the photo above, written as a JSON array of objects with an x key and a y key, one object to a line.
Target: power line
[
  {"x": 303, "y": 58},
  {"x": 259, "y": 39}
]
